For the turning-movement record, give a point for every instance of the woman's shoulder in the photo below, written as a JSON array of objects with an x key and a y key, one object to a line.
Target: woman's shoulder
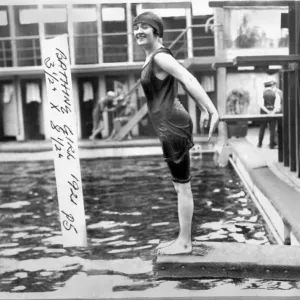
[
  {"x": 162, "y": 53},
  {"x": 164, "y": 56},
  {"x": 163, "y": 50}
]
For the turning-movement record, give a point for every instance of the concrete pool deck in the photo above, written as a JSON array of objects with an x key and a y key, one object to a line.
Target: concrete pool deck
[
  {"x": 84, "y": 286},
  {"x": 42, "y": 150},
  {"x": 276, "y": 188}
]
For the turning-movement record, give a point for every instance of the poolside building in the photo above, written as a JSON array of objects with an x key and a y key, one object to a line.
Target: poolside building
[{"x": 103, "y": 54}]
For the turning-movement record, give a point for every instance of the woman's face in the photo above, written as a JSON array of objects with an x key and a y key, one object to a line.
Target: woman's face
[{"x": 143, "y": 34}]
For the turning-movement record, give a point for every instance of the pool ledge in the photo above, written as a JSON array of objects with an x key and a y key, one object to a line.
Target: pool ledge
[{"x": 264, "y": 183}]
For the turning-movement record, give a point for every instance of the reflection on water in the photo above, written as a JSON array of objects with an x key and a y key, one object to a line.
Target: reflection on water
[{"x": 130, "y": 206}]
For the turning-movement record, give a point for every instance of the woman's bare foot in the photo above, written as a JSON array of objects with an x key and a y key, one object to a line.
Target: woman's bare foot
[
  {"x": 164, "y": 244},
  {"x": 177, "y": 247}
]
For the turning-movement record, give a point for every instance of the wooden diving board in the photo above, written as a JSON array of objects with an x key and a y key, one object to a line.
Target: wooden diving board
[{"x": 231, "y": 260}]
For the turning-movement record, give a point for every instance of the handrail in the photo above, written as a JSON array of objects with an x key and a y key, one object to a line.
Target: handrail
[{"x": 262, "y": 117}]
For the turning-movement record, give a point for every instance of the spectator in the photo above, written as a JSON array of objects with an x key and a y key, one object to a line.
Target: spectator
[{"x": 270, "y": 105}]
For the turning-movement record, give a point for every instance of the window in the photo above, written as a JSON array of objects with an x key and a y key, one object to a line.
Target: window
[
  {"x": 249, "y": 31},
  {"x": 26, "y": 20},
  {"x": 84, "y": 14},
  {"x": 5, "y": 40},
  {"x": 29, "y": 16},
  {"x": 27, "y": 35},
  {"x": 84, "y": 19},
  {"x": 110, "y": 14},
  {"x": 3, "y": 18},
  {"x": 55, "y": 19},
  {"x": 114, "y": 34}
]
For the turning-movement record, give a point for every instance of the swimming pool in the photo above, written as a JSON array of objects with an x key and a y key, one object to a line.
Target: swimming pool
[{"x": 130, "y": 206}]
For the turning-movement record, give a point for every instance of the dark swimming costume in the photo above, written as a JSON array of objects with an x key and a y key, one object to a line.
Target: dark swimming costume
[{"x": 171, "y": 121}]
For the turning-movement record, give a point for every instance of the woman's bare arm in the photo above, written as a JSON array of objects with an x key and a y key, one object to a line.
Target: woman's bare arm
[
  {"x": 190, "y": 84},
  {"x": 171, "y": 66}
]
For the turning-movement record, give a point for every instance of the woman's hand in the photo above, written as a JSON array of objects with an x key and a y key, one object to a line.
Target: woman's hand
[
  {"x": 214, "y": 121},
  {"x": 204, "y": 120}
]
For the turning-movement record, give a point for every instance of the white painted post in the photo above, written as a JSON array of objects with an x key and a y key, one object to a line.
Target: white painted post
[
  {"x": 188, "y": 14},
  {"x": 134, "y": 101},
  {"x": 16, "y": 80},
  {"x": 71, "y": 34},
  {"x": 286, "y": 234},
  {"x": 63, "y": 131},
  {"x": 222, "y": 150},
  {"x": 102, "y": 93},
  {"x": 99, "y": 31},
  {"x": 219, "y": 33},
  {"x": 45, "y": 110},
  {"x": 129, "y": 32},
  {"x": 20, "y": 111},
  {"x": 44, "y": 91},
  {"x": 76, "y": 102}
]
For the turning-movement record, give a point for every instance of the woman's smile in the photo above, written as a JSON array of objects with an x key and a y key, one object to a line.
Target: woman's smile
[{"x": 140, "y": 37}]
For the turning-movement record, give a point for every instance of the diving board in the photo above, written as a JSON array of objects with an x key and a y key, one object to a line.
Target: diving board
[{"x": 231, "y": 260}]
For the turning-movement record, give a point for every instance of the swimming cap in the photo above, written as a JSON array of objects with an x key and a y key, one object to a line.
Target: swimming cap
[{"x": 151, "y": 19}]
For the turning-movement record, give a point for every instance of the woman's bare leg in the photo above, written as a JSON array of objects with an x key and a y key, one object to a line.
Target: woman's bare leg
[{"x": 183, "y": 244}]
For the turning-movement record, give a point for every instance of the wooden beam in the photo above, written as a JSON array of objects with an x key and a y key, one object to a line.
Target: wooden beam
[
  {"x": 165, "y": 5},
  {"x": 232, "y": 260},
  {"x": 265, "y": 60},
  {"x": 298, "y": 123},
  {"x": 249, "y": 3},
  {"x": 131, "y": 123},
  {"x": 292, "y": 23},
  {"x": 99, "y": 31},
  {"x": 224, "y": 64},
  {"x": 12, "y": 26},
  {"x": 285, "y": 121},
  {"x": 129, "y": 22},
  {"x": 233, "y": 118},
  {"x": 280, "y": 140},
  {"x": 292, "y": 119}
]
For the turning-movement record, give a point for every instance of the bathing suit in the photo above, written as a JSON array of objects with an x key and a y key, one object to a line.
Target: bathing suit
[{"x": 171, "y": 121}]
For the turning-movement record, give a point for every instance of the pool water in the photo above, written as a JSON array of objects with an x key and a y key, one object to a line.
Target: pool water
[{"x": 130, "y": 207}]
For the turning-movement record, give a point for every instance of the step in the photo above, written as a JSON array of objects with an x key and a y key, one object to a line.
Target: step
[{"x": 231, "y": 260}]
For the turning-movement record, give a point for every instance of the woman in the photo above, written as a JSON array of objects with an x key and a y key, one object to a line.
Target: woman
[{"x": 159, "y": 78}]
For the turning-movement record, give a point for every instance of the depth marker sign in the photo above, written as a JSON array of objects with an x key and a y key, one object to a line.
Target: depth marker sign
[{"x": 63, "y": 132}]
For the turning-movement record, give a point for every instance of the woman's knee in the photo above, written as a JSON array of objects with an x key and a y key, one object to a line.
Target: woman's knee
[{"x": 183, "y": 188}]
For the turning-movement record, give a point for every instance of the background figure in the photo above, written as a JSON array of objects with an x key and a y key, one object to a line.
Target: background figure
[
  {"x": 124, "y": 112},
  {"x": 271, "y": 105},
  {"x": 98, "y": 123}
]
